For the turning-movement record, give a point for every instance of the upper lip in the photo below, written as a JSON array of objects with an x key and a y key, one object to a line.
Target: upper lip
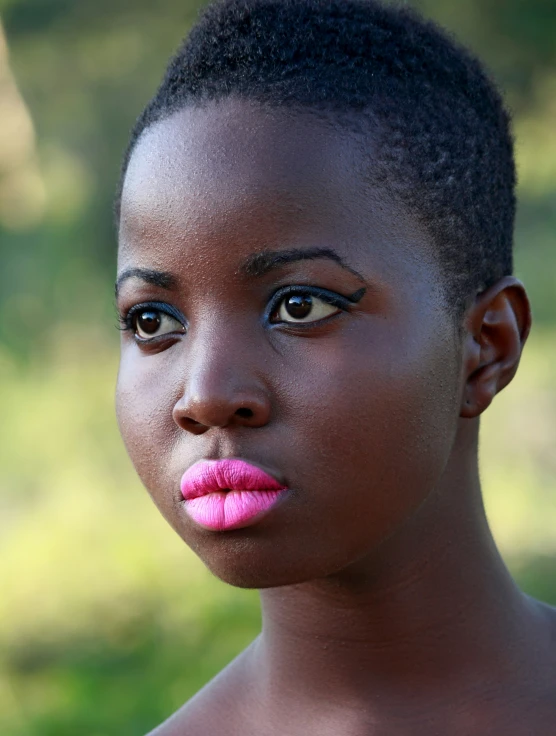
[{"x": 234, "y": 474}]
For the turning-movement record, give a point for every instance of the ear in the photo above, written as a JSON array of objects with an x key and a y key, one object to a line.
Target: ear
[{"x": 496, "y": 328}]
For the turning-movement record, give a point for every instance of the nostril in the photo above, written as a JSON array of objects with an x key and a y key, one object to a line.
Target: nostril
[
  {"x": 191, "y": 422},
  {"x": 244, "y": 413}
]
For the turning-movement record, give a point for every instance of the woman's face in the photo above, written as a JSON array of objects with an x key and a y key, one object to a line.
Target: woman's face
[{"x": 285, "y": 313}]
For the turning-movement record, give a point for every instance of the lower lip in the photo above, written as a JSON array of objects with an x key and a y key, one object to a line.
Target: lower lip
[{"x": 225, "y": 510}]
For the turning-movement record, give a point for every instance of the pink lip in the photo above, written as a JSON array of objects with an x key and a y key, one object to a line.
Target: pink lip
[{"x": 228, "y": 494}]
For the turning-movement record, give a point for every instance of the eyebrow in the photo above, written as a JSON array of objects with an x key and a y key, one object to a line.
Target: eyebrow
[
  {"x": 158, "y": 278},
  {"x": 259, "y": 264}
]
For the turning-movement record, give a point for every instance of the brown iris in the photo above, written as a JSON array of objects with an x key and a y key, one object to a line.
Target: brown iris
[
  {"x": 149, "y": 321},
  {"x": 299, "y": 306}
]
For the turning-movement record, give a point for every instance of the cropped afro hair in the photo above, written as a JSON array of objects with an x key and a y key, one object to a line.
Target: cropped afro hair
[{"x": 445, "y": 148}]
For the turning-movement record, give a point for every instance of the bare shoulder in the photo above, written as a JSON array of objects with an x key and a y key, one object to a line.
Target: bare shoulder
[
  {"x": 220, "y": 707},
  {"x": 548, "y": 613},
  {"x": 542, "y": 700}
]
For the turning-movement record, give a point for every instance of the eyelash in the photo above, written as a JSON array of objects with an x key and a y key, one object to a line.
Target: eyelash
[{"x": 330, "y": 297}]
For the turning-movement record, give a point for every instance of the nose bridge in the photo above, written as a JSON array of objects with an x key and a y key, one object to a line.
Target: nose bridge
[
  {"x": 215, "y": 359},
  {"x": 221, "y": 382}
]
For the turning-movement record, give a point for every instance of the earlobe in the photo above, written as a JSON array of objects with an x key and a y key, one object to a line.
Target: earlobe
[{"x": 496, "y": 328}]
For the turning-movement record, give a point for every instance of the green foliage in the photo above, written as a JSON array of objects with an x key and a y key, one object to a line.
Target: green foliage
[{"x": 107, "y": 622}]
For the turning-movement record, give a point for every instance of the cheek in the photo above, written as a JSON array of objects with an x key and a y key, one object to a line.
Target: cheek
[
  {"x": 144, "y": 404},
  {"x": 378, "y": 419}
]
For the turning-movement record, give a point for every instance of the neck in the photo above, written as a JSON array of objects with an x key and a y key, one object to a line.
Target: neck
[{"x": 433, "y": 608}]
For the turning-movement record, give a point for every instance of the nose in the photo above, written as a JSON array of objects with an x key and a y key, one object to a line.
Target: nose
[{"x": 221, "y": 389}]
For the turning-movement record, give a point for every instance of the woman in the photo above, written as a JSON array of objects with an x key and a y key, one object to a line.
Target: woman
[{"x": 316, "y": 293}]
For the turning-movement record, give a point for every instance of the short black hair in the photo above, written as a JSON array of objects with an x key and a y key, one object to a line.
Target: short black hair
[{"x": 445, "y": 146}]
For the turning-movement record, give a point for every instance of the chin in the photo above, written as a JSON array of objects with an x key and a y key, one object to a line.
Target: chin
[
  {"x": 243, "y": 564},
  {"x": 248, "y": 580}
]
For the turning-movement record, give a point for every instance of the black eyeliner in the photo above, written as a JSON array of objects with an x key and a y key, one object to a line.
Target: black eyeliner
[{"x": 358, "y": 295}]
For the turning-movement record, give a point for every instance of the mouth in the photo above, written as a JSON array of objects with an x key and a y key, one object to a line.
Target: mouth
[{"x": 221, "y": 495}]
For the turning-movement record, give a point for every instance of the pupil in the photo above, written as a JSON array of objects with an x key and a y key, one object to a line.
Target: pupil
[
  {"x": 299, "y": 306},
  {"x": 148, "y": 322}
]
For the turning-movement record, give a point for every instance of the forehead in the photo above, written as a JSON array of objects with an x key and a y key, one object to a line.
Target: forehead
[
  {"x": 236, "y": 173},
  {"x": 231, "y": 143}
]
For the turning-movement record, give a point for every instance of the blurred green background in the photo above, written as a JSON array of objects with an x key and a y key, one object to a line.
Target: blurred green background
[{"x": 107, "y": 623}]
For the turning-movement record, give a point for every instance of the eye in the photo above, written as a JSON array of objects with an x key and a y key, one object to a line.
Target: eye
[
  {"x": 304, "y": 307},
  {"x": 148, "y": 323}
]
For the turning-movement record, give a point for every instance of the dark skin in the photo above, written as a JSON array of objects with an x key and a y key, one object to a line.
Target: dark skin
[{"x": 387, "y": 609}]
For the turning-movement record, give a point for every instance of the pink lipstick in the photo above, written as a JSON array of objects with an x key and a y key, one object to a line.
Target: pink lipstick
[{"x": 228, "y": 494}]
